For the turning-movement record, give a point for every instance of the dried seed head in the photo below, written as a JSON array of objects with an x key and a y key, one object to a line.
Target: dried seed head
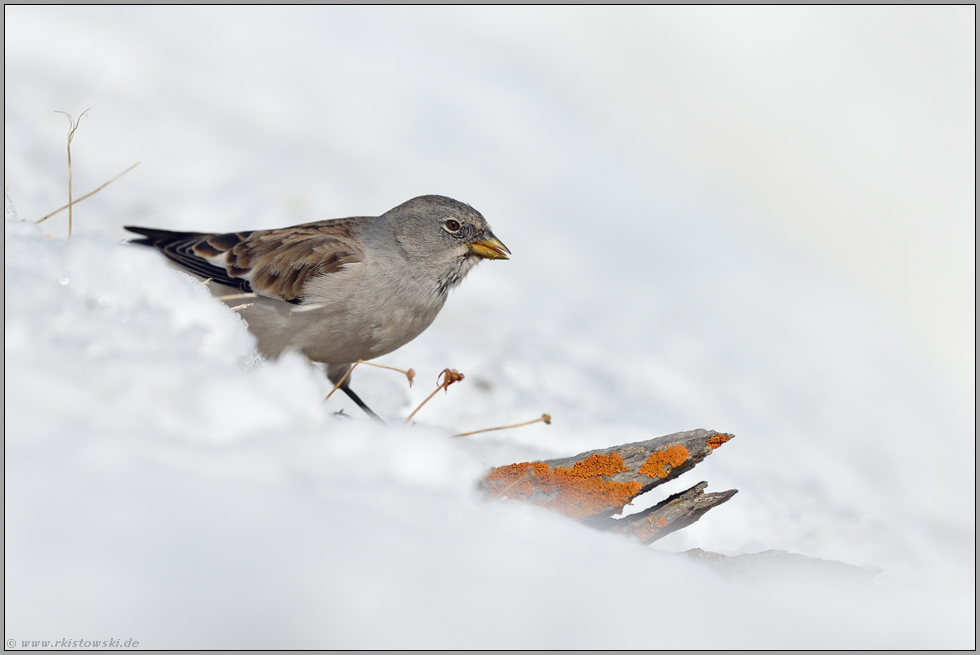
[{"x": 447, "y": 377}]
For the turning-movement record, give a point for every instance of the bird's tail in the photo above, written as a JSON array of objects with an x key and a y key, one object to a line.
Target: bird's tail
[{"x": 159, "y": 238}]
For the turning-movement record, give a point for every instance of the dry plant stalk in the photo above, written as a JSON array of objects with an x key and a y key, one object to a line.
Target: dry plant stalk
[
  {"x": 545, "y": 418},
  {"x": 447, "y": 377},
  {"x": 410, "y": 374},
  {"x": 233, "y": 296},
  {"x": 73, "y": 125},
  {"x": 90, "y": 193}
]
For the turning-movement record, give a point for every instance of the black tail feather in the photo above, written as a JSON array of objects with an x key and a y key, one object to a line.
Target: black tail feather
[
  {"x": 159, "y": 238},
  {"x": 178, "y": 247}
]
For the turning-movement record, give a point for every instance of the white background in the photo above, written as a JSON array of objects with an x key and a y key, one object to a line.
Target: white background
[{"x": 753, "y": 220}]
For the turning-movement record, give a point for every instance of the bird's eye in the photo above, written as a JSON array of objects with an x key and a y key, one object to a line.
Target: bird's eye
[{"x": 451, "y": 225}]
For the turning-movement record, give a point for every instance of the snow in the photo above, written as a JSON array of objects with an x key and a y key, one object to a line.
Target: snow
[{"x": 163, "y": 484}]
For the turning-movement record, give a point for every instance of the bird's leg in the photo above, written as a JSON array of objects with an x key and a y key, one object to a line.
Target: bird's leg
[
  {"x": 360, "y": 403},
  {"x": 340, "y": 376}
]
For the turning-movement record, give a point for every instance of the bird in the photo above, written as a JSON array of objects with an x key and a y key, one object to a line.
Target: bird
[{"x": 343, "y": 290}]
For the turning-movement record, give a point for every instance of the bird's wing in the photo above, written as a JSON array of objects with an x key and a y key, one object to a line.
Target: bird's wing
[{"x": 272, "y": 263}]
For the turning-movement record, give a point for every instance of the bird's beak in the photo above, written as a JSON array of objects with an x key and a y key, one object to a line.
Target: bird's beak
[{"x": 489, "y": 247}]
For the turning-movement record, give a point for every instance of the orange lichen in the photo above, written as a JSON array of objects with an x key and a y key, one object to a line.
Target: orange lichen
[
  {"x": 597, "y": 465},
  {"x": 515, "y": 480},
  {"x": 576, "y": 492},
  {"x": 719, "y": 439},
  {"x": 660, "y": 522},
  {"x": 660, "y": 464}
]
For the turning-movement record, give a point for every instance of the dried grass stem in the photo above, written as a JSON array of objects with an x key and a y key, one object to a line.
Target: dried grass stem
[
  {"x": 73, "y": 125},
  {"x": 545, "y": 418},
  {"x": 410, "y": 374},
  {"x": 90, "y": 193},
  {"x": 446, "y": 378}
]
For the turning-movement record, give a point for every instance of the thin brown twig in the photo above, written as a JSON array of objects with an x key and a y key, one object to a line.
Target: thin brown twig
[
  {"x": 546, "y": 418},
  {"x": 410, "y": 374},
  {"x": 90, "y": 193},
  {"x": 448, "y": 377},
  {"x": 237, "y": 296},
  {"x": 73, "y": 125}
]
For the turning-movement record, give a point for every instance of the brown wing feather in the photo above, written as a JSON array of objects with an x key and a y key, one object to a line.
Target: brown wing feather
[{"x": 279, "y": 263}]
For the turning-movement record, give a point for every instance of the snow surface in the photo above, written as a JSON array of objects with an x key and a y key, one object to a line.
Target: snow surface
[{"x": 163, "y": 484}]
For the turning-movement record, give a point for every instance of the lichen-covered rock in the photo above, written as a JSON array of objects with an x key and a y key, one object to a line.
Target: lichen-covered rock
[{"x": 595, "y": 485}]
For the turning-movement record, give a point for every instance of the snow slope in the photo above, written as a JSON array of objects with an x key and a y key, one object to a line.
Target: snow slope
[{"x": 163, "y": 484}]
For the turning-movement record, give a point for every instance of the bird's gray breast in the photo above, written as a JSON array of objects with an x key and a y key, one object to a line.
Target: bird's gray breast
[{"x": 367, "y": 310}]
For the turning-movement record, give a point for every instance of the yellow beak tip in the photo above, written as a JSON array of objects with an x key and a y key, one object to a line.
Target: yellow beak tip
[{"x": 490, "y": 248}]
